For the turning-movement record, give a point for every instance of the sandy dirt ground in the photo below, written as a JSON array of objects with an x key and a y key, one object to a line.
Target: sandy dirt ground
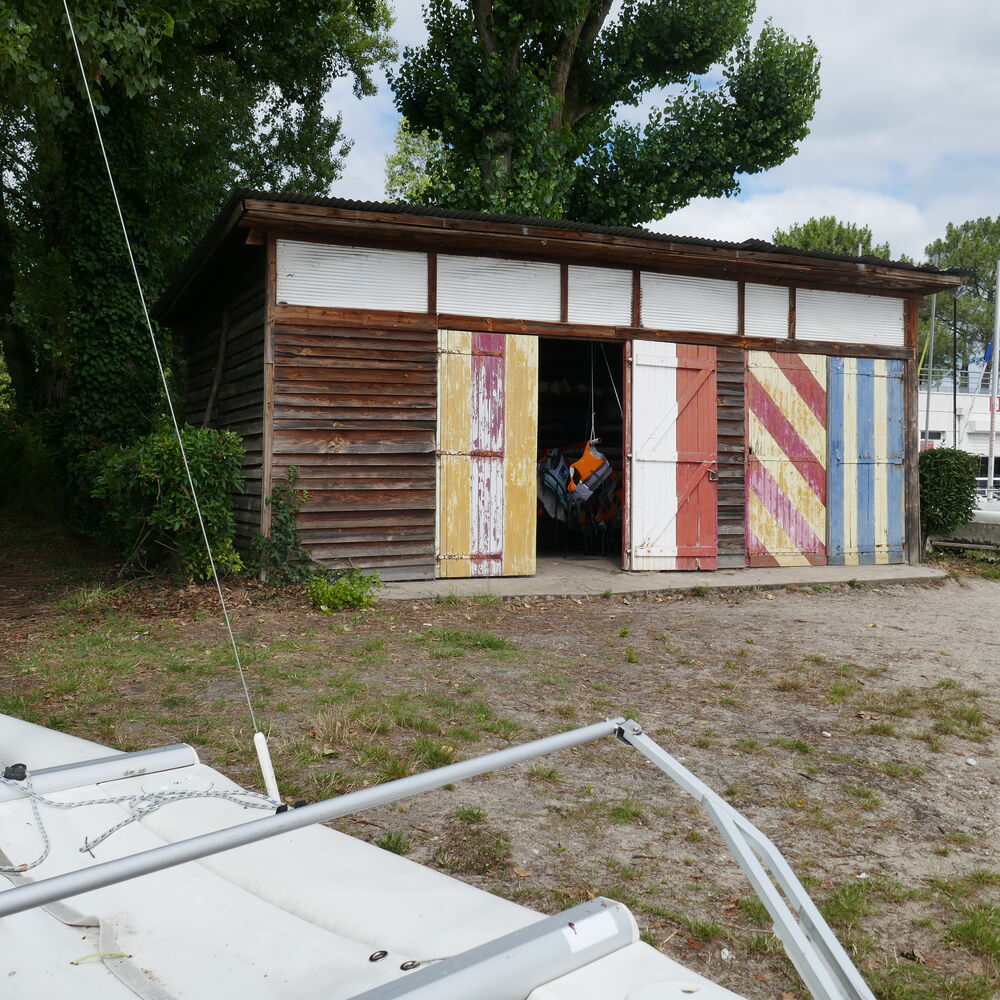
[{"x": 855, "y": 726}]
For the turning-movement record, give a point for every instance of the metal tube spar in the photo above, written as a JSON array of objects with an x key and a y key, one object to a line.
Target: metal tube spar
[{"x": 48, "y": 890}]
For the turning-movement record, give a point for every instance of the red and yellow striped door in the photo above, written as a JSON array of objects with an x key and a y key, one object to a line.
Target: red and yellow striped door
[
  {"x": 786, "y": 459},
  {"x": 487, "y": 439}
]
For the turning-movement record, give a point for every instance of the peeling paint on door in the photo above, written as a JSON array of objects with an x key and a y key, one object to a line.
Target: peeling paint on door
[{"x": 487, "y": 426}]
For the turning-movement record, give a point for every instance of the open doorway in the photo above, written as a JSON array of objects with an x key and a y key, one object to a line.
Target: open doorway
[{"x": 580, "y": 449}]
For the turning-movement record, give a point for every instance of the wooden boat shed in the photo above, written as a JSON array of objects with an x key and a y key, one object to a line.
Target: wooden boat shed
[{"x": 756, "y": 404}]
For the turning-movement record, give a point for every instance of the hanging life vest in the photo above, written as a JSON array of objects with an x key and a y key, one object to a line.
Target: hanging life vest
[
  {"x": 587, "y": 474},
  {"x": 553, "y": 482}
]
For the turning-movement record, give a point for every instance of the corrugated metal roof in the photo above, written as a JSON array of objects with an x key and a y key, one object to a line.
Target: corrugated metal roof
[
  {"x": 635, "y": 232},
  {"x": 219, "y": 227}
]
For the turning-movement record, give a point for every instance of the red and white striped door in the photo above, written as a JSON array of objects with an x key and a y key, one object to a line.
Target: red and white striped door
[{"x": 673, "y": 492}]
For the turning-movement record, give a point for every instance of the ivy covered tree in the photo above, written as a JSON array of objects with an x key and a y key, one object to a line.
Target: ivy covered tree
[
  {"x": 829, "y": 235},
  {"x": 194, "y": 98},
  {"x": 536, "y": 105}
]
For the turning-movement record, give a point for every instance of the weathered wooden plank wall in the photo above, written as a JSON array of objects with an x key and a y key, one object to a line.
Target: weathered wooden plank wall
[
  {"x": 865, "y": 478},
  {"x": 786, "y": 459},
  {"x": 235, "y": 368},
  {"x": 487, "y": 434},
  {"x": 730, "y": 374},
  {"x": 354, "y": 411}
]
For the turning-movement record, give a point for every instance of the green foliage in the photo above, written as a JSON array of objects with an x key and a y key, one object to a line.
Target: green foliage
[
  {"x": 210, "y": 96},
  {"x": 350, "y": 589},
  {"x": 972, "y": 247},
  {"x": 25, "y": 461},
  {"x": 407, "y": 167},
  {"x": 280, "y": 557},
  {"x": 530, "y": 103},
  {"x": 947, "y": 489},
  {"x": 829, "y": 235},
  {"x": 146, "y": 502}
]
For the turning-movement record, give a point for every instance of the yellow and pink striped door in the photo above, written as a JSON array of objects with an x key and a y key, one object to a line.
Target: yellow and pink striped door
[
  {"x": 487, "y": 443},
  {"x": 786, "y": 459}
]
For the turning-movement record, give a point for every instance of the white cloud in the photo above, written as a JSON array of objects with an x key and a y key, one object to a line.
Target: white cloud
[
  {"x": 899, "y": 222},
  {"x": 904, "y": 138}
]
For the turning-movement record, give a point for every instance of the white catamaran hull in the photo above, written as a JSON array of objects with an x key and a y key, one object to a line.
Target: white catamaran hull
[{"x": 296, "y": 916}]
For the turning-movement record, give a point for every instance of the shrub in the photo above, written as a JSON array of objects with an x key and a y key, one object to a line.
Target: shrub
[
  {"x": 947, "y": 489},
  {"x": 350, "y": 589},
  {"x": 147, "y": 507},
  {"x": 28, "y": 470},
  {"x": 280, "y": 557}
]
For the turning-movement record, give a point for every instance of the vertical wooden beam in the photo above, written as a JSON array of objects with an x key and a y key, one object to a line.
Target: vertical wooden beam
[
  {"x": 432, "y": 283},
  {"x": 267, "y": 442},
  {"x": 627, "y": 449},
  {"x": 564, "y": 293},
  {"x": 911, "y": 452},
  {"x": 791, "y": 313},
  {"x": 741, "y": 308},
  {"x": 220, "y": 360},
  {"x": 636, "y": 298}
]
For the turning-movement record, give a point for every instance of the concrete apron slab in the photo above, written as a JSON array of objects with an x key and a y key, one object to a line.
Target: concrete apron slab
[{"x": 580, "y": 576}]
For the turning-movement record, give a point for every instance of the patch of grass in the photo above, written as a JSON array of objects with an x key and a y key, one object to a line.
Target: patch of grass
[
  {"x": 841, "y": 690},
  {"x": 470, "y": 814},
  {"x": 547, "y": 774},
  {"x": 910, "y": 981},
  {"x": 487, "y": 600},
  {"x": 754, "y": 910},
  {"x": 747, "y": 746},
  {"x": 864, "y": 796},
  {"x": 704, "y": 930},
  {"x": 624, "y": 632},
  {"x": 431, "y": 753},
  {"x": 978, "y": 930},
  {"x": 626, "y": 811},
  {"x": 631, "y": 656},
  {"x": 449, "y": 600},
  {"x": 882, "y": 729},
  {"x": 789, "y": 684},
  {"x": 394, "y": 841},
  {"x": 699, "y": 591},
  {"x": 799, "y": 746}
]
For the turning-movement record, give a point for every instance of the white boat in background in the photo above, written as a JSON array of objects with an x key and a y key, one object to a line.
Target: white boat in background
[{"x": 303, "y": 911}]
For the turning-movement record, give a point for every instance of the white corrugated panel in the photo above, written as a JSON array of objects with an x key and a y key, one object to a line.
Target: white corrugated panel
[
  {"x": 600, "y": 295},
  {"x": 765, "y": 311},
  {"x": 678, "y": 302},
  {"x": 486, "y": 286},
  {"x": 848, "y": 317},
  {"x": 321, "y": 274}
]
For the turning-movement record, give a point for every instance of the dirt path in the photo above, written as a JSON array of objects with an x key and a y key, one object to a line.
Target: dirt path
[{"x": 856, "y": 727}]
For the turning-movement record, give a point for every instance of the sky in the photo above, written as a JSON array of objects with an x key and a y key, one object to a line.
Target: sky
[{"x": 906, "y": 136}]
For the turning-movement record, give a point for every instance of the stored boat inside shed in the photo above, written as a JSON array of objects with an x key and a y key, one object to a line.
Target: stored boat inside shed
[{"x": 752, "y": 404}]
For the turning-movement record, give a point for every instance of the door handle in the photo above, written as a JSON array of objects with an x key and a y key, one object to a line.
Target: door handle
[{"x": 713, "y": 475}]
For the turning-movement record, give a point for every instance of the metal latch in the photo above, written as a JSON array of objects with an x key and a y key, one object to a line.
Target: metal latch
[{"x": 713, "y": 475}]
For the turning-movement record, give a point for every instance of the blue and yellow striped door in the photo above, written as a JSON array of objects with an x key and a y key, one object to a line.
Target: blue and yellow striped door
[{"x": 865, "y": 521}]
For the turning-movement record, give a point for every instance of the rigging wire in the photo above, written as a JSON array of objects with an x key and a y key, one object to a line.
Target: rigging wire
[{"x": 266, "y": 768}]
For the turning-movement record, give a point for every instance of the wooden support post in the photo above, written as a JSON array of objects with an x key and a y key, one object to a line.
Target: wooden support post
[
  {"x": 911, "y": 450},
  {"x": 220, "y": 362},
  {"x": 267, "y": 444}
]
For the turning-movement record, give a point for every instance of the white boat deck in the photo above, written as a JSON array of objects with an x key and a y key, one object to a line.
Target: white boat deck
[{"x": 297, "y": 916}]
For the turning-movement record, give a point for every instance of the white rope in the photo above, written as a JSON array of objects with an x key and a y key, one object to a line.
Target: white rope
[
  {"x": 140, "y": 804},
  {"x": 607, "y": 364},
  {"x": 159, "y": 365}
]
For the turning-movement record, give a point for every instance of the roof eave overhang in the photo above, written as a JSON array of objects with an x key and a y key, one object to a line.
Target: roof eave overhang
[{"x": 479, "y": 237}]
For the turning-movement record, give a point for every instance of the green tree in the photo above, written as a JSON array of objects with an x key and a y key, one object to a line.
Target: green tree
[
  {"x": 828, "y": 234},
  {"x": 407, "y": 167},
  {"x": 532, "y": 103},
  {"x": 194, "y": 100},
  {"x": 972, "y": 247}
]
